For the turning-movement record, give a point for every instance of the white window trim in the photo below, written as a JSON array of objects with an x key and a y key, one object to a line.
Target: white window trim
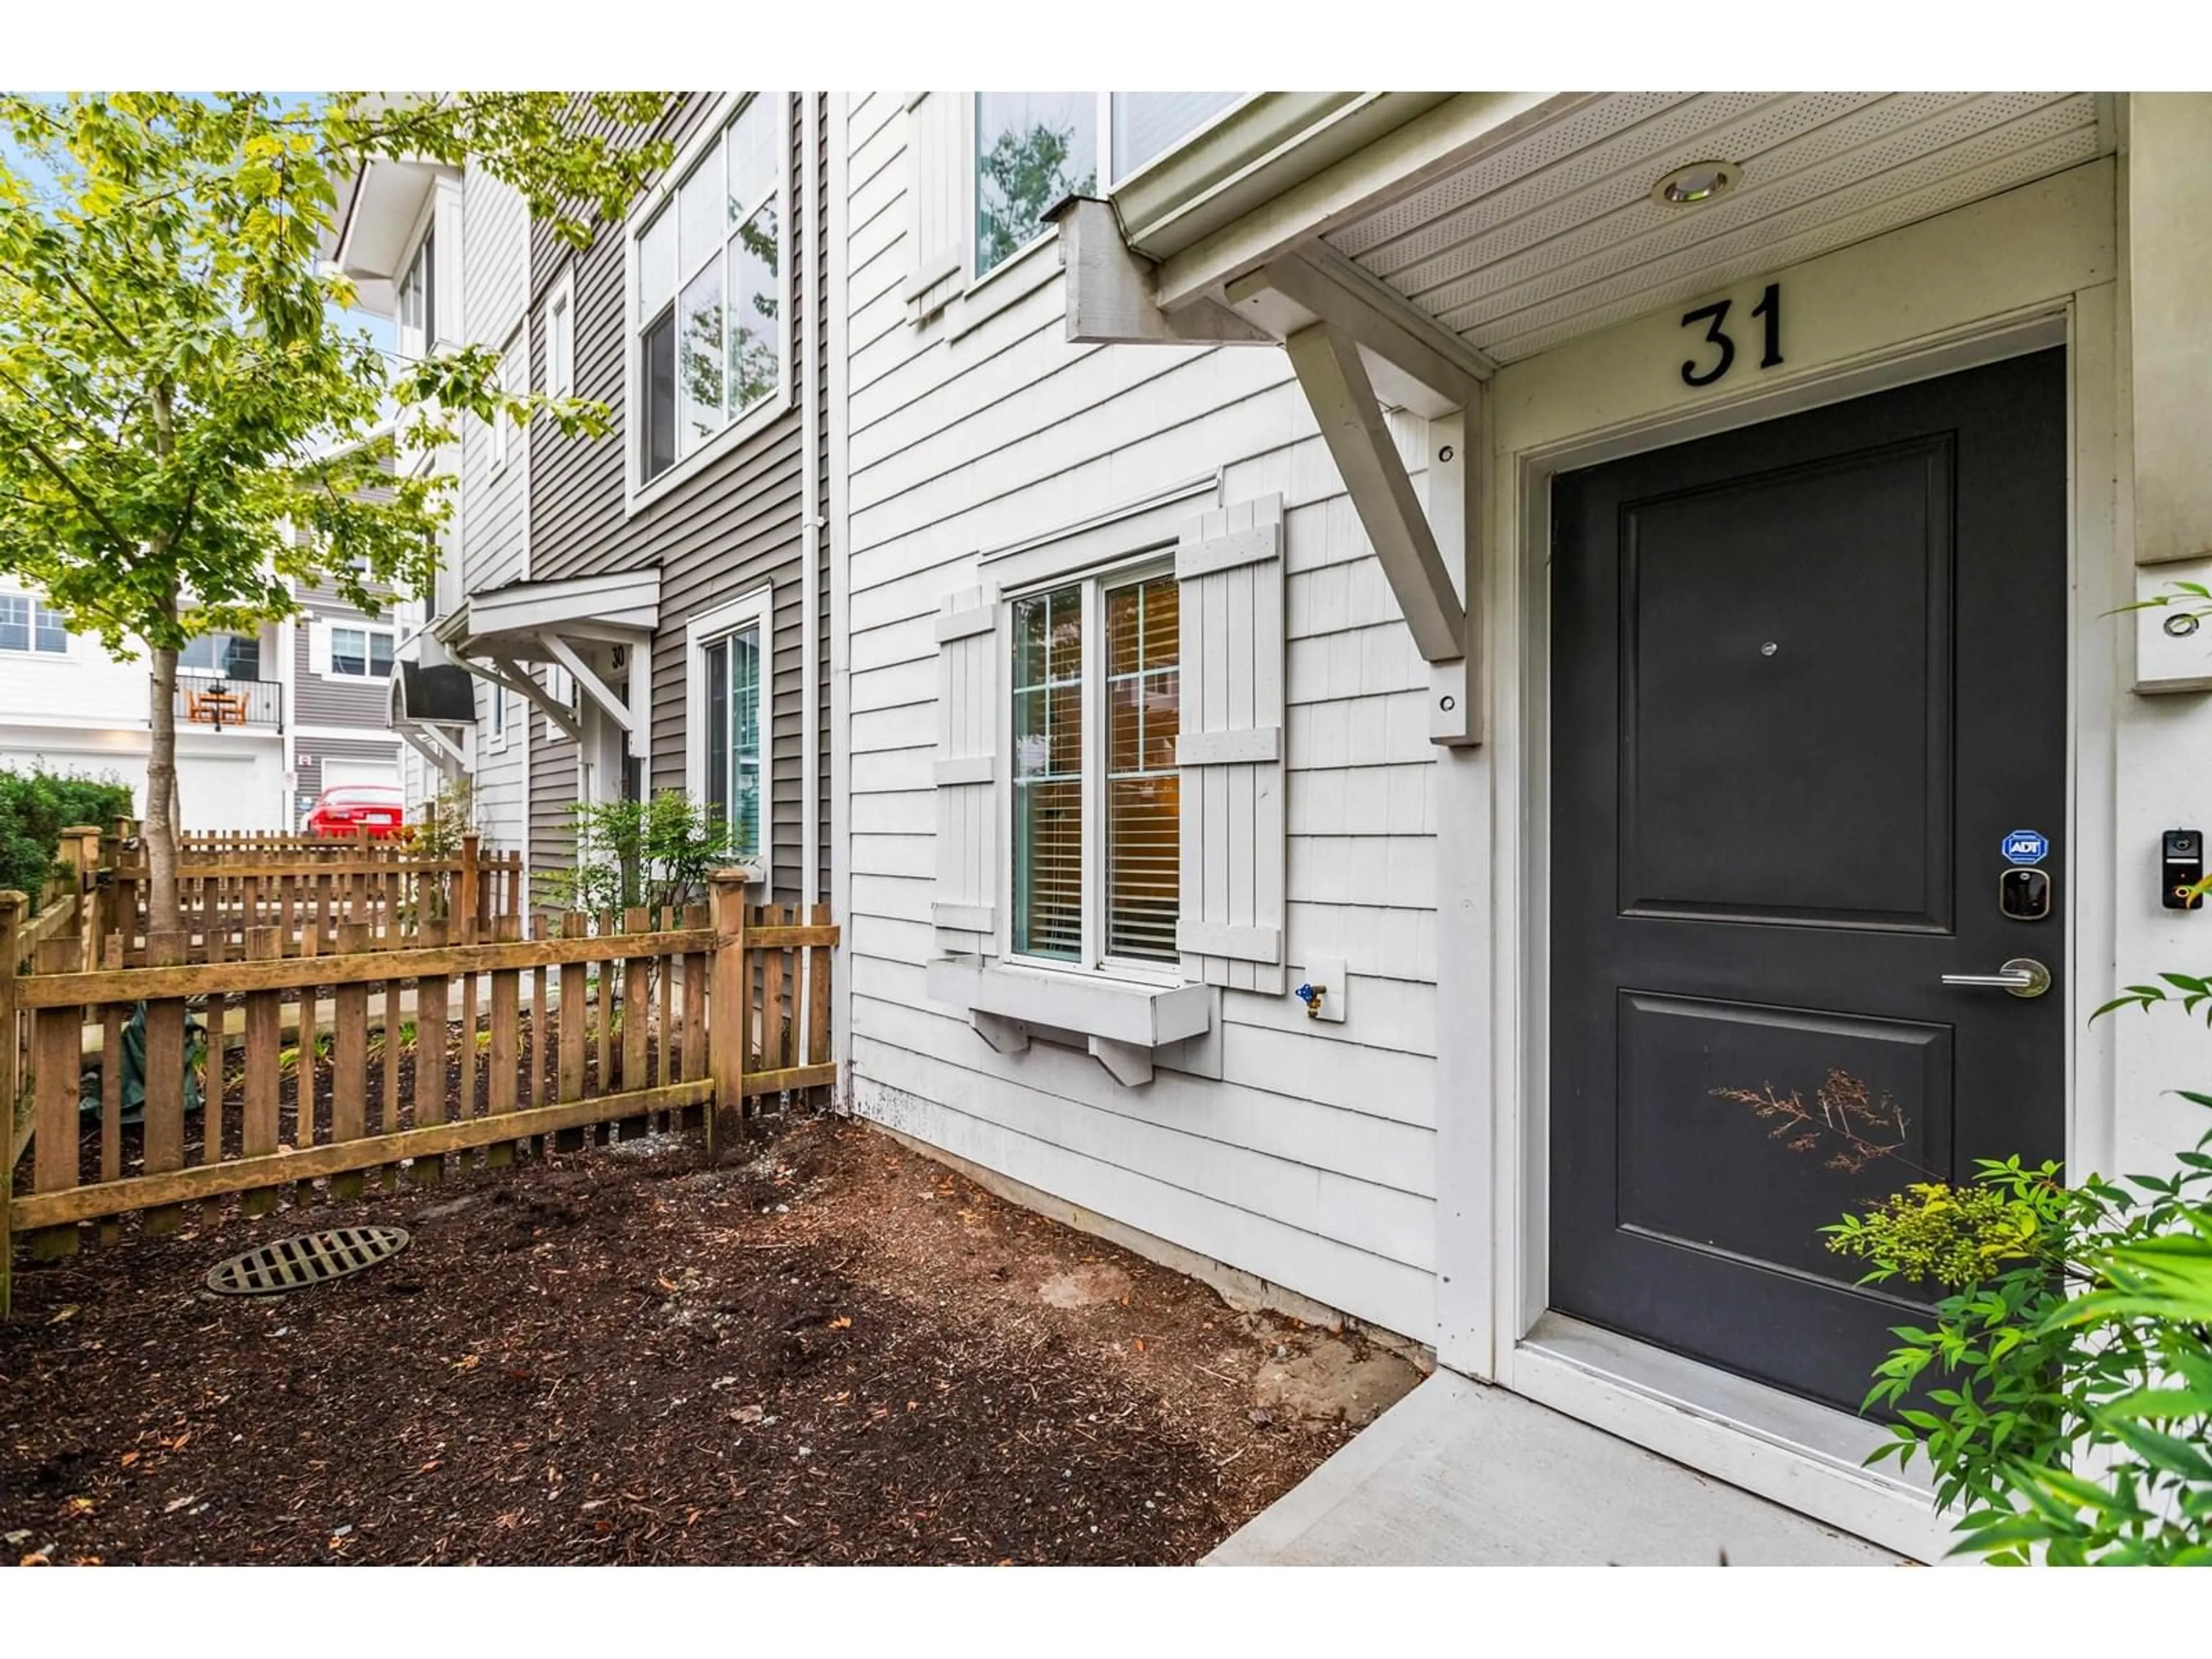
[
  {"x": 971, "y": 145},
  {"x": 1107, "y": 179},
  {"x": 757, "y": 608},
  {"x": 561, "y": 685},
  {"x": 984, "y": 295},
  {"x": 425, "y": 224},
  {"x": 512, "y": 354},
  {"x": 1114, "y": 181},
  {"x": 31, "y": 652},
  {"x": 331, "y": 672},
  {"x": 1094, "y": 578},
  {"x": 637, "y": 494},
  {"x": 497, "y": 725},
  {"x": 561, "y": 308}
]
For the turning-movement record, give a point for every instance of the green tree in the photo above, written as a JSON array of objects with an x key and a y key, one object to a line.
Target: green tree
[{"x": 175, "y": 393}]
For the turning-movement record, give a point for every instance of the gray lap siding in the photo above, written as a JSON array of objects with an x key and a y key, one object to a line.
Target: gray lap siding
[{"x": 717, "y": 535}]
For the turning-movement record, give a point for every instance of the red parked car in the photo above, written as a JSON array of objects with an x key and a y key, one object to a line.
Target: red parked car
[{"x": 346, "y": 809}]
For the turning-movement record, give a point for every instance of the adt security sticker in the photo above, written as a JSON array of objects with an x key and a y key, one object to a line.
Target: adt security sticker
[{"x": 2026, "y": 846}]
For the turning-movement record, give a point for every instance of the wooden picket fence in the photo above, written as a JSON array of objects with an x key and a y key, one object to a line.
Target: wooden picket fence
[
  {"x": 349, "y": 1059},
  {"x": 275, "y": 846},
  {"x": 391, "y": 889}
]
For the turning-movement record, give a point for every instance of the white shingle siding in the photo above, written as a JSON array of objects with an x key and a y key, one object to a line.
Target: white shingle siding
[{"x": 1310, "y": 1162}]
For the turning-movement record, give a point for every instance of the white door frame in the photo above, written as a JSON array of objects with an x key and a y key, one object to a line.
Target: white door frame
[{"x": 1618, "y": 394}]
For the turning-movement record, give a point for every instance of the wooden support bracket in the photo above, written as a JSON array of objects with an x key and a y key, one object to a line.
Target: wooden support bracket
[
  {"x": 1344, "y": 402},
  {"x": 614, "y": 708},
  {"x": 1005, "y": 1035},
  {"x": 507, "y": 671},
  {"x": 1129, "y": 1064}
]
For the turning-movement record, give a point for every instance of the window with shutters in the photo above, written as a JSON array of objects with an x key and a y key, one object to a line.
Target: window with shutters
[
  {"x": 1096, "y": 827},
  {"x": 1109, "y": 779}
]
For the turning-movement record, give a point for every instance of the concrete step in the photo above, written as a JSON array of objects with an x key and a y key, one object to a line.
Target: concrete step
[{"x": 1458, "y": 1474}]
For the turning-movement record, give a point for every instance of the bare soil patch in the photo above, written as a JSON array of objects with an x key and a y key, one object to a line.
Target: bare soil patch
[{"x": 836, "y": 1352}]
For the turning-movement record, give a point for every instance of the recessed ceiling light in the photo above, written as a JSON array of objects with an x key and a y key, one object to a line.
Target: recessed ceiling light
[{"x": 1700, "y": 181}]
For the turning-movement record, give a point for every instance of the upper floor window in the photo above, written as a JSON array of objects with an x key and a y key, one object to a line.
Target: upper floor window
[
  {"x": 561, "y": 338},
  {"x": 29, "y": 625},
  {"x": 1094, "y": 731},
  {"x": 510, "y": 381},
  {"x": 708, "y": 330},
  {"x": 361, "y": 652},
  {"x": 234, "y": 656},
  {"x": 418, "y": 311},
  {"x": 1032, "y": 149},
  {"x": 1147, "y": 124}
]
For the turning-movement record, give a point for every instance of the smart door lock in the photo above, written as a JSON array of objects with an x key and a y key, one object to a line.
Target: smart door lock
[
  {"x": 2181, "y": 866},
  {"x": 2024, "y": 895}
]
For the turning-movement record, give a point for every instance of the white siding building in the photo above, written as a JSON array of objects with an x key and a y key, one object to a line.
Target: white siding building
[
  {"x": 985, "y": 452},
  {"x": 493, "y": 529},
  {"x": 1617, "y": 595}
]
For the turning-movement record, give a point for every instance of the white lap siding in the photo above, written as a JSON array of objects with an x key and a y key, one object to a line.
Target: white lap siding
[
  {"x": 1310, "y": 1161},
  {"x": 495, "y": 529}
]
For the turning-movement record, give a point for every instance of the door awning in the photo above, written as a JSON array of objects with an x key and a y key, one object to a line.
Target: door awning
[
  {"x": 430, "y": 707},
  {"x": 1403, "y": 248},
  {"x": 498, "y": 630}
]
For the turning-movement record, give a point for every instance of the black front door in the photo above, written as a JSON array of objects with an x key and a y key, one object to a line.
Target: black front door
[{"x": 1808, "y": 679}]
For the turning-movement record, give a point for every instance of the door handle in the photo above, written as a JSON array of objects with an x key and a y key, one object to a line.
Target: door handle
[{"x": 2024, "y": 976}]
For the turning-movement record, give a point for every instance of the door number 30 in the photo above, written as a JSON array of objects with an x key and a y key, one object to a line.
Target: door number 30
[{"x": 1768, "y": 311}]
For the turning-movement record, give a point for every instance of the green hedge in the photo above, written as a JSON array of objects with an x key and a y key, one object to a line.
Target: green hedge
[{"x": 35, "y": 807}]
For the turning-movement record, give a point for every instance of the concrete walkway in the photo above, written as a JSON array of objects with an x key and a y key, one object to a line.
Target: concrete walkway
[{"x": 1460, "y": 1474}]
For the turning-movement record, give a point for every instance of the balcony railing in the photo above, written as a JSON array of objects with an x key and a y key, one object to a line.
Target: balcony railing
[{"x": 220, "y": 701}]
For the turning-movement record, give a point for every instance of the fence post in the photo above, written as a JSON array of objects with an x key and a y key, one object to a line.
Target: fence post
[
  {"x": 82, "y": 840},
  {"x": 725, "y": 1014},
  {"x": 471, "y": 896},
  {"x": 12, "y": 906}
]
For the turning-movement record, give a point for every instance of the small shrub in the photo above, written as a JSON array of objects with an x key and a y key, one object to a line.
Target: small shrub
[
  {"x": 631, "y": 852},
  {"x": 37, "y": 806},
  {"x": 2063, "y": 1394}
]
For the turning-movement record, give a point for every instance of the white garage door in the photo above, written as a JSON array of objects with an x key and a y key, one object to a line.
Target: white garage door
[{"x": 222, "y": 792}]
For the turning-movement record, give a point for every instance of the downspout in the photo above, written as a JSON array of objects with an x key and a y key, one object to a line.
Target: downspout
[
  {"x": 288, "y": 713},
  {"x": 810, "y": 598},
  {"x": 838, "y": 491}
]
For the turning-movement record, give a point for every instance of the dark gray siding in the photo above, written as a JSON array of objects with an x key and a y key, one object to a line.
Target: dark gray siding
[
  {"x": 320, "y": 701},
  {"x": 736, "y": 523},
  {"x": 312, "y": 751}
]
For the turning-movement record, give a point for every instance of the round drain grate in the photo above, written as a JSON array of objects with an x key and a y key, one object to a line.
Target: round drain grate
[{"x": 293, "y": 1264}]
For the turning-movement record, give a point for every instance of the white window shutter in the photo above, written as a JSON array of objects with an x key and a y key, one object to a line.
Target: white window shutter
[
  {"x": 1230, "y": 752},
  {"x": 319, "y": 647},
  {"x": 937, "y": 198},
  {"x": 967, "y": 772}
]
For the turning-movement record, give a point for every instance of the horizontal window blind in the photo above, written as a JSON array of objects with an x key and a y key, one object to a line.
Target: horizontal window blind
[
  {"x": 732, "y": 667},
  {"x": 1143, "y": 826},
  {"x": 1048, "y": 694}
]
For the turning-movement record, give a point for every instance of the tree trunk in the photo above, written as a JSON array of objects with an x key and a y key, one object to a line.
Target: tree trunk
[
  {"x": 162, "y": 797},
  {"x": 163, "y": 806}
]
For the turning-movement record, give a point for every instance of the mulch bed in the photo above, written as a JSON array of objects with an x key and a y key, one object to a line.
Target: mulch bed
[{"x": 836, "y": 1352}]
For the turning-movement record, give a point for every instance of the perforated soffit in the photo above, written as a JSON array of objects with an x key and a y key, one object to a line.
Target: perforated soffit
[{"x": 1556, "y": 234}]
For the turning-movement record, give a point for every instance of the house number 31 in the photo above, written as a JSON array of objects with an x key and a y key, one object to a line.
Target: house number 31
[{"x": 1714, "y": 316}]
